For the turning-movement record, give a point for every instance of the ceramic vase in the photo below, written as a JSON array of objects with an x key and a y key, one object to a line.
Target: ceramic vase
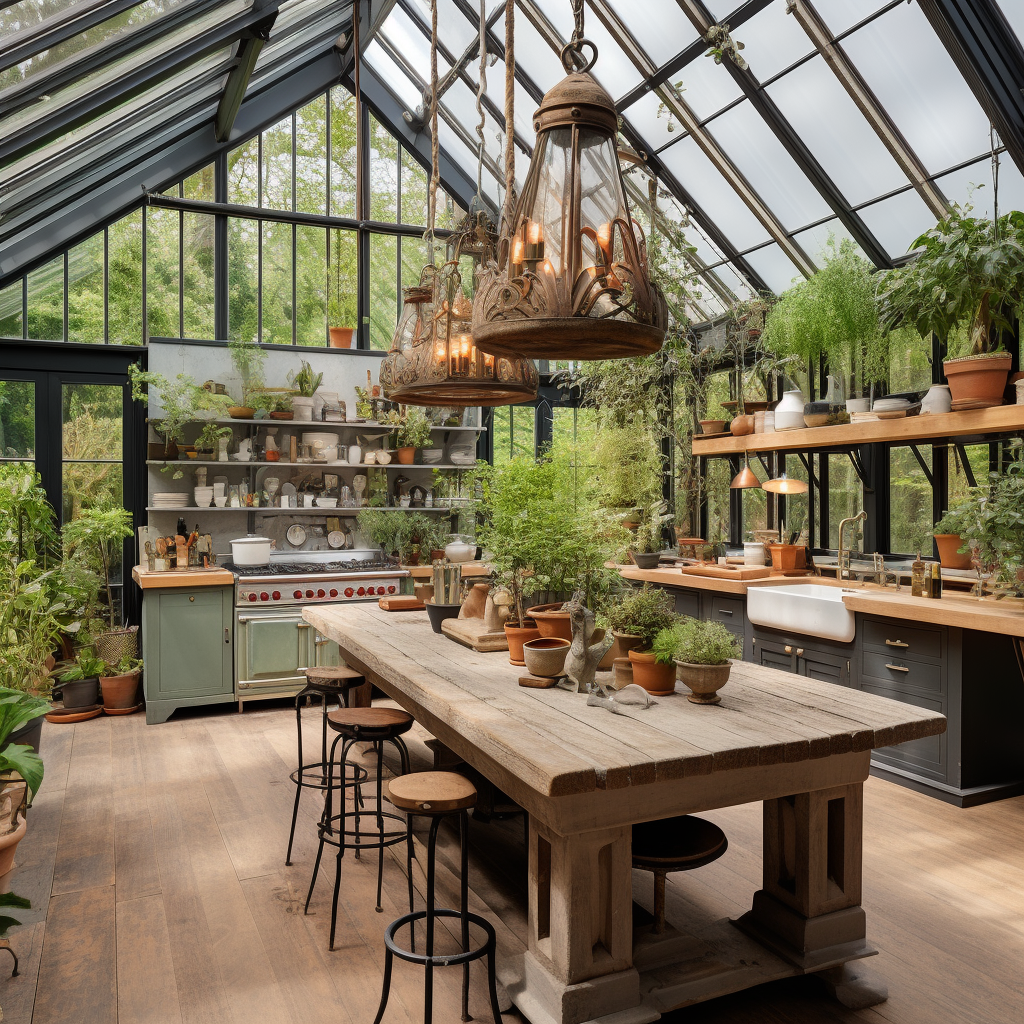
[
  {"x": 937, "y": 400},
  {"x": 303, "y": 407},
  {"x": 789, "y": 413},
  {"x": 222, "y": 449}
]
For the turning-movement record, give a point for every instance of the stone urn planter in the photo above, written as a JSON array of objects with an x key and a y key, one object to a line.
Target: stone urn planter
[
  {"x": 119, "y": 692},
  {"x": 704, "y": 681},
  {"x": 949, "y": 545},
  {"x": 551, "y": 620},
  {"x": 645, "y": 559},
  {"x": 657, "y": 678},
  {"x": 545, "y": 656},
  {"x": 976, "y": 382},
  {"x": 517, "y": 636}
]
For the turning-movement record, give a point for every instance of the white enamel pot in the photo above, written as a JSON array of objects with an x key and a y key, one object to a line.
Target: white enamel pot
[{"x": 251, "y": 551}]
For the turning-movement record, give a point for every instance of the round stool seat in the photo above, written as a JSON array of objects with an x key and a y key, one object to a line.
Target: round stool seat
[
  {"x": 370, "y": 723},
  {"x": 677, "y": 844},
  {"x": 432, "y": 792},
  {"x": 333, "y": 677}
]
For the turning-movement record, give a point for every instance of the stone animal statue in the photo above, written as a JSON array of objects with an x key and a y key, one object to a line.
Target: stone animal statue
[{"x": 584, "y": 656}]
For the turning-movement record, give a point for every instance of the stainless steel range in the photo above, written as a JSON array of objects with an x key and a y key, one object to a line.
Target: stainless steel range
[{"x": 273, "y": 643}]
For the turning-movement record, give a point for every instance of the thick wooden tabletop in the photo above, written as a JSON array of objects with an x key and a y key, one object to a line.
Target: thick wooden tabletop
[{"x": 558, "y": 746}]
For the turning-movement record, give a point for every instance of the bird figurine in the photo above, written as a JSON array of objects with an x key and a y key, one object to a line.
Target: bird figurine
[{"x": 583, "y": 657}]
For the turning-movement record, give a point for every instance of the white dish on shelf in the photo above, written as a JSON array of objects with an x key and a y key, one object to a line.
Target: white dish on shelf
[
  {"x": 336, "y": 539},
  {"x": 296, "y": 535}
]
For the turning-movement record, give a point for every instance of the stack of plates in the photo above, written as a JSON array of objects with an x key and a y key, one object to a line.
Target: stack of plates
[
  {"x": 170, "y": 499},
  {"x": 463, "y": 454}
]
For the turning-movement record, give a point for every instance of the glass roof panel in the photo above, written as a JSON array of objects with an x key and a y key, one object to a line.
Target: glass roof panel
[
  {"x": 392, "y": 75},
  {"x": 836, "y": 132},
  {"x": 465, "y": 158},
  {"x": 757, "y": 152},
  {"x": 898, "y": 220},
  {"x": 973, "y": 185},
  {"x": 659, "y": 26},
  {"x": 524, "y": 105},
  {"x": 454, "y": 29},
  {"x": 650, "y": 117},
  {"x": 777, "y": 270},
  {"x": 707, "y": 86},
  {"x": 841, "y": 15},
  {"x": 772, "y": 41},
  {"x": 695, "y": 172},
  {"x": 299, "y": 23},
  {"x": 734, "y": 281},
  {"x": 30, "y": 13},
  {"x": 721, "y": 9},
  {"x": 412, "y": 44},
  {"x": 533, "y": 55},
  {"x": 814, "y": 240},
  {"x": 915, "y": 79}
]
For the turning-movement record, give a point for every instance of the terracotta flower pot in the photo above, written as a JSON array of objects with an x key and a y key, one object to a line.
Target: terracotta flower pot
[
  {"x": 341, "y": 337},
  {"x": 979, "y": 380},
  {"x": 623, "y": 669},
  {"x": 551, "y": 621},
  {"x": 517, "y": 636},
  {"x": 949, "y": 545},
  {"x": 8, "y": 845},
  {"x": 658, "y": 679},
  {"x": 784, "y": 556},
  {"x": 545, "y": 656},
  {"x": 119, "y": 692},
  {"x": 624, "y": 643},
  {"x": 436, "y": 553},
  {"x": 406, "y": 456},
  {"x": 704, "y": 681}
]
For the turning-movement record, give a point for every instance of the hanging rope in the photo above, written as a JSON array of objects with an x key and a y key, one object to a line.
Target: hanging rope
[
  {"x": 481, "y": 89},
  {"x": 510, "y": 102},
  {"x": 435, "y": 159}
]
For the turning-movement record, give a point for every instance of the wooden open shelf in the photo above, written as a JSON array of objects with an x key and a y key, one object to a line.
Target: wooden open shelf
[{"x": 1000, "y": 419}]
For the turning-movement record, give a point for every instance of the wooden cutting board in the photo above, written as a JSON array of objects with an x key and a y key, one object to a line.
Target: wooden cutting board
[
  {"x": 728, "y": 572},
  {"x": 402, "y": 603},
  {"x": 473, "y": 633}
]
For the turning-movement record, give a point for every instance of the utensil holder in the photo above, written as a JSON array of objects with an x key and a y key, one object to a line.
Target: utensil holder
[{"x": 447, "y": 582}]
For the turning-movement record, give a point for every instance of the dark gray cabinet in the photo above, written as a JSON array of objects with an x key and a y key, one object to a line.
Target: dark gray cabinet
[{"x": 829, "y": 663}]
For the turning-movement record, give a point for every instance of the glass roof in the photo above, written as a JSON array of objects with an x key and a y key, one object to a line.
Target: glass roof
[{"x": 758, "y": 166}]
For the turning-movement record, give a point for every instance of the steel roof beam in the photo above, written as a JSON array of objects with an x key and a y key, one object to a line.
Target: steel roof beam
[
  {"x": 249, "y": 49},
  {"x": 372, "y": 14},
  {"x": 794, "y": 145},
  {"x": 860, "y": 92}
]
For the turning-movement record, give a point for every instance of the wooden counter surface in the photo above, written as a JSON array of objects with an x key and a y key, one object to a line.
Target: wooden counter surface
[
  {"x": 989, "y": 616},
  {"x": 674, "y": 578},
  {"x": 184, "y": 578},
  {"x": 425, "y": 572}
]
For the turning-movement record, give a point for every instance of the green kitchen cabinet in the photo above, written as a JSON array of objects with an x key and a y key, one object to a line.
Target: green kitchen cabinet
[{"x": 188, "y": 645}]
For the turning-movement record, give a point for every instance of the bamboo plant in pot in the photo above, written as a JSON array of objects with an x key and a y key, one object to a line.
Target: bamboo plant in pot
[
  {"x": 964, "y": 286},
  {"x": 701, "y": 652}
]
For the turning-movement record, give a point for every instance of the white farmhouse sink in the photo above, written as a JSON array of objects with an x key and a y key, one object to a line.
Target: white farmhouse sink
[{"x": 806, "y": 608}]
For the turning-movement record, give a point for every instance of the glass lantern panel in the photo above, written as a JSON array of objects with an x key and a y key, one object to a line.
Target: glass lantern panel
[
  {"x": 552, "y": 172},
  {"x": 602, "y": 202}
]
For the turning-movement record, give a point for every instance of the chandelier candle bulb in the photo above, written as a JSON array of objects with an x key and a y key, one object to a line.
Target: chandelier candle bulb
[{"x": 534, "y": 241}]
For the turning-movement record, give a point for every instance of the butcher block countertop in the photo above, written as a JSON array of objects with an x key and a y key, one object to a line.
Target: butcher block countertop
[{"x": 215, "y": 577}]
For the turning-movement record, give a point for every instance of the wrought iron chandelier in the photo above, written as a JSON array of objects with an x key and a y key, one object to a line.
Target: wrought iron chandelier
[
  {"x": 572, "y": 279},
  {"x": 433, "y": 359}
]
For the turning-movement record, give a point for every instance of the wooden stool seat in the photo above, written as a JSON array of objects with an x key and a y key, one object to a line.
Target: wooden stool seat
[
  {"x": 432, "y": 792},
  {"x": 677, "y": 844},
  {"x": 335, "y": 677},
  {"x": 370, "y": 723}
]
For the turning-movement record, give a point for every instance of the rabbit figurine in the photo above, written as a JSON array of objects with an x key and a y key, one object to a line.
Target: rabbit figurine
[{"x": 583, "y": 657}]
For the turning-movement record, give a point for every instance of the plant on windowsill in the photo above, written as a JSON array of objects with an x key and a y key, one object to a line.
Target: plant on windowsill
[
  {"x": 209, "y": 439},
  {"x": 248, "y": 359},
  {"x": 964, "y": 286},
  {"x": 701, "y": 652}
]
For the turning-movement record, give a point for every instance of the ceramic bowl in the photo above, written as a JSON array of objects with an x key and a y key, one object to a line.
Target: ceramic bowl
[
  {"x": 545, "y": 656},
  {"x": 220, "y": 500},
  {"x": 712, "y": 426}
]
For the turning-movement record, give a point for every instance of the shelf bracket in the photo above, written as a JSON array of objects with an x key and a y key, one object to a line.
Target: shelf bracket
[
  {"x": 810, "y": 472},
  {"x": 965, "y": 464},
  {"x": 925, "y": 468},
  {"x": 764, "y": 465},
  {"x": 857, "y": 461}
]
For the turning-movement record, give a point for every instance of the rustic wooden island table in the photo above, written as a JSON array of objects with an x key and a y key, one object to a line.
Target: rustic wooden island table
[{"x": 586, "y": 776}]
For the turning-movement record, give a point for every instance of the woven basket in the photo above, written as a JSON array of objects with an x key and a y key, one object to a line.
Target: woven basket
[{"x": 121, "y": 643}]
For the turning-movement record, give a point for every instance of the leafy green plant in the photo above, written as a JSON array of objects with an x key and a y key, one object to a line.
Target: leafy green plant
[
  {"x": 87, "y": 666},
  {"x": 391, "y": 531},
  {"x": 695, "y": 642},
  {"x": 18, "y": 709},
  {"x": 91, "y": 538},
  {"x": 431, "y": 532},
  {"x": 210, "y": 436},
  {"x": 249, "y": 359},
  {"x": 629, "y": 467},
  {"x": 967, "y": 280},
  {"x": 413, "y": 431},
  {"x": 305, "y": 381},
  {"x": 182, "y": 400},
  {"x": 644, "y": 612},
  {"x": 654, "y": 519},
  {"x": 15, "y": 902}
]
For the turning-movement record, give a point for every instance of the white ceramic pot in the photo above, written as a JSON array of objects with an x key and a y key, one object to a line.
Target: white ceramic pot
[
  {"x": 858, "y": 405},
  {"x": 753, "y": 553},
  {"x": 789, "y": 413},
  {"x": 251, "y": 551},
  {"x": 459, "y": 551},
  {"x": 355, "y": 455},
  {"x": 938, "y": 400},
  {"x": 303, "y": 407}
]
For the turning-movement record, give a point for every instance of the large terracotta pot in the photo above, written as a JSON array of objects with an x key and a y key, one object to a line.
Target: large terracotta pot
[
  {"x": 784, "y": 556},
  {"x": 551, "y": 621},
  {"x": 949, "y": 545},
  {"x": 624, "y": 643},
  {"x": 517, "y": 636},
  {"x": 979, "y": 380},
  {"x": 704, "y": 681},
  {"x": 341, "y": 337},
  {"x": 120, "y": 692},
  {"x": 658, "y": 679},
  {"x": 406, "y": 456}
]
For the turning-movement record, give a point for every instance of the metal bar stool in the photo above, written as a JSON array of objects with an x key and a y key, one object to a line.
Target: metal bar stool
[
  {"x": 437, "y": 795},
  {"x": 361, "y": 725},
  {"x": 327, "y": 682},
  {"x": 675, "y": 844}
]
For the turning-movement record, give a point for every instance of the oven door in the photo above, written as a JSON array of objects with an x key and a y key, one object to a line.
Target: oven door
[{"x": 271, "y": 650}]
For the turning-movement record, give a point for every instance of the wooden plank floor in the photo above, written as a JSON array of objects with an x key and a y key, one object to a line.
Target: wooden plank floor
[{"x": 155, "y": 864}]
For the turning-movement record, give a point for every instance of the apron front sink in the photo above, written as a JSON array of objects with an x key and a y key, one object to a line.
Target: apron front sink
[{"x": 808, "y": 608}]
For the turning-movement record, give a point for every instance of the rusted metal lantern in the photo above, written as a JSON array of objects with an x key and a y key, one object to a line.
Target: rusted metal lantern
[{"x": 572, "y": 279}]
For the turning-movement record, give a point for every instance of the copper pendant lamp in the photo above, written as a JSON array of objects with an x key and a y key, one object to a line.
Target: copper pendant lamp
[
  {"x": 785, "y": 485},
  {"x": 745, "y": 477},
  {"x": 572, "y": 279}
]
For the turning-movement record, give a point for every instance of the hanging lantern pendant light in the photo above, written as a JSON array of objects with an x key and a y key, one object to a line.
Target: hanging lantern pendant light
[{"x": 572, "y": 279}]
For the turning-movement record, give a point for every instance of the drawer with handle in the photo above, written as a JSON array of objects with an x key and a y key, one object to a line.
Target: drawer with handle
[
  {"x": 727, "y": 610},
  {"x": 903, "y": 673},
  {"x": 900, "y": 640}
]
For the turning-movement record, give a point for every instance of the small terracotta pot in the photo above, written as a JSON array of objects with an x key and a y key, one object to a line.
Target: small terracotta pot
[
  {"x": 436, "y": 553},
  {"x": 658, "y": 679},
  {"x": 741, "y": 425},
  {"x": 341, "y": 337},
  {"x": 412, "y": 558},
  {"x": 624, "y": 643},
  {"x": 784, "y": 556},
  {"x": 517, "y": 636},
  {"x": 406, "y": 456},
  {"x": 979, "y": 379},
  {"x": 949, "y": 545},
  {"x": 605, "y": 664},
  {"x": 712, "y": 426},
  {"x": 120, "y": 691},
  {"x": 550, "y": 621},
  {"x": 545, "y": 656},
  {"x": 623, "y": 669},
  {"x": 280, "y": 415},
  {"x": 704, "y": 681}
]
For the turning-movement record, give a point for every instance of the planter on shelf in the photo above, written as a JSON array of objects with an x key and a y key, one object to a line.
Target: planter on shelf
[
  {"x": 437, "y": 613},
  {"x": 279, "y": 415},
  {"x": 645, "y": 559},
  {"x": 704, "y": 681},
  {"x": 241, "y": 412},
  {"x": 977, "y": 382},
  {"x": 517, "y": 636},
  {"x": 341, "y": 337},
  {"x": 712, "y": 426},
  {"x": 785, "y": 556},
  {"x": 119, "y": 692},
  {"x": 742, "y": 425},
  {"x": 80, "y": 693},
  {"x": 657, "y": 678},
  {"x": 406, "y": 456},
  {"x": 302, "y": 408},
  {"x": 551, "y": 620},
  {"x": 687, "y": 544},
  {"x": 436, "y": 554},
  {"x": 545, "y": 656},
  {"x": 949, "y": 545}
]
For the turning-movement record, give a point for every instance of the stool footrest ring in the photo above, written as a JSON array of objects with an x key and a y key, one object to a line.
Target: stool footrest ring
[
  {"x": 374, "y": 839},
  {"x": 440, "y": 959},
  {"x": 315, "y": 769}
]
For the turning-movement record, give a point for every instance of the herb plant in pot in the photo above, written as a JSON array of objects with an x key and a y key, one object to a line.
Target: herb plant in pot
[
  {"x": 80, "y": 682},
  {"x": 701, "y": 652},
  {"x": 951, "y": 533},
  {"x": 21, "y": 769},
  {"x": 638, "y": 618},
  {"x": 412, "y": 433},
  {"x": 653, "y": 669},
  {"x": 305, "y": 382},
  {"x": 119, "y": 685}
]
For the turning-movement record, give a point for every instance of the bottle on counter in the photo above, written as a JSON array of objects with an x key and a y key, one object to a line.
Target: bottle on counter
[
  {"x": 181, "y": 529},
  {"x": 936, "y": 580},
  {"x": 917, "y": 577}
]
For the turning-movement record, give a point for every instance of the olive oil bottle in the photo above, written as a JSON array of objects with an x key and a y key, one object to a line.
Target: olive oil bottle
[{"x": 917, "y": 577}]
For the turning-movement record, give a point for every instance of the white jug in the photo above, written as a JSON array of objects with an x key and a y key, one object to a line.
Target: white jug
[
  {"x": 355, "y": 455},
  {"x": 789, "y": 413},
  {"x": 938, "y": 400}
]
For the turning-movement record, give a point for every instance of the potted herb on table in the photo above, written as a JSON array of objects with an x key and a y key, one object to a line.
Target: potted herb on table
[
  {"x": 638, "y": 617},
  {"x": 701, "y": 652},
  {"x": 964, "y": 286}
]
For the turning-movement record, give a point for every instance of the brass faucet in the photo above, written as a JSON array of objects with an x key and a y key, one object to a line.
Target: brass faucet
[
  {"x": 882, "y": 575},
  {"x": 844, "y": 572}
]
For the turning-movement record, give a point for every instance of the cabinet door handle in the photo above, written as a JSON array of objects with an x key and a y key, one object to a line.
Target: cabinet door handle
[
  {"x": 788, "y": 649},
  {"x": 895, "y": 643},
  {"x": 799, "y": 652},
  {"x": 897, "y": 668},
  {"x": 227, "y": 635},
  {"x": 725, "y": 611},
  {"x": 191, "y": 597}
]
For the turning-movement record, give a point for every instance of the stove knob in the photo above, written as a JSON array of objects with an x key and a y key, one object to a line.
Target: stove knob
[
  {"x": 349, "y": 591},
  {"x": 321, "y": 593},
  {"x": 309, "y": 593},
  {"x": 380, "y": 590},
  {"x": 392, "y": 590},
  {"x": 334, "y": 593},
  {"x": 252, "y": 597},
  {"x": 264, "y": 596},
  {"x": 361, "y": 591},
  {"x": 297, "y": 594},
  {"x": 276, "y": 595}
]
